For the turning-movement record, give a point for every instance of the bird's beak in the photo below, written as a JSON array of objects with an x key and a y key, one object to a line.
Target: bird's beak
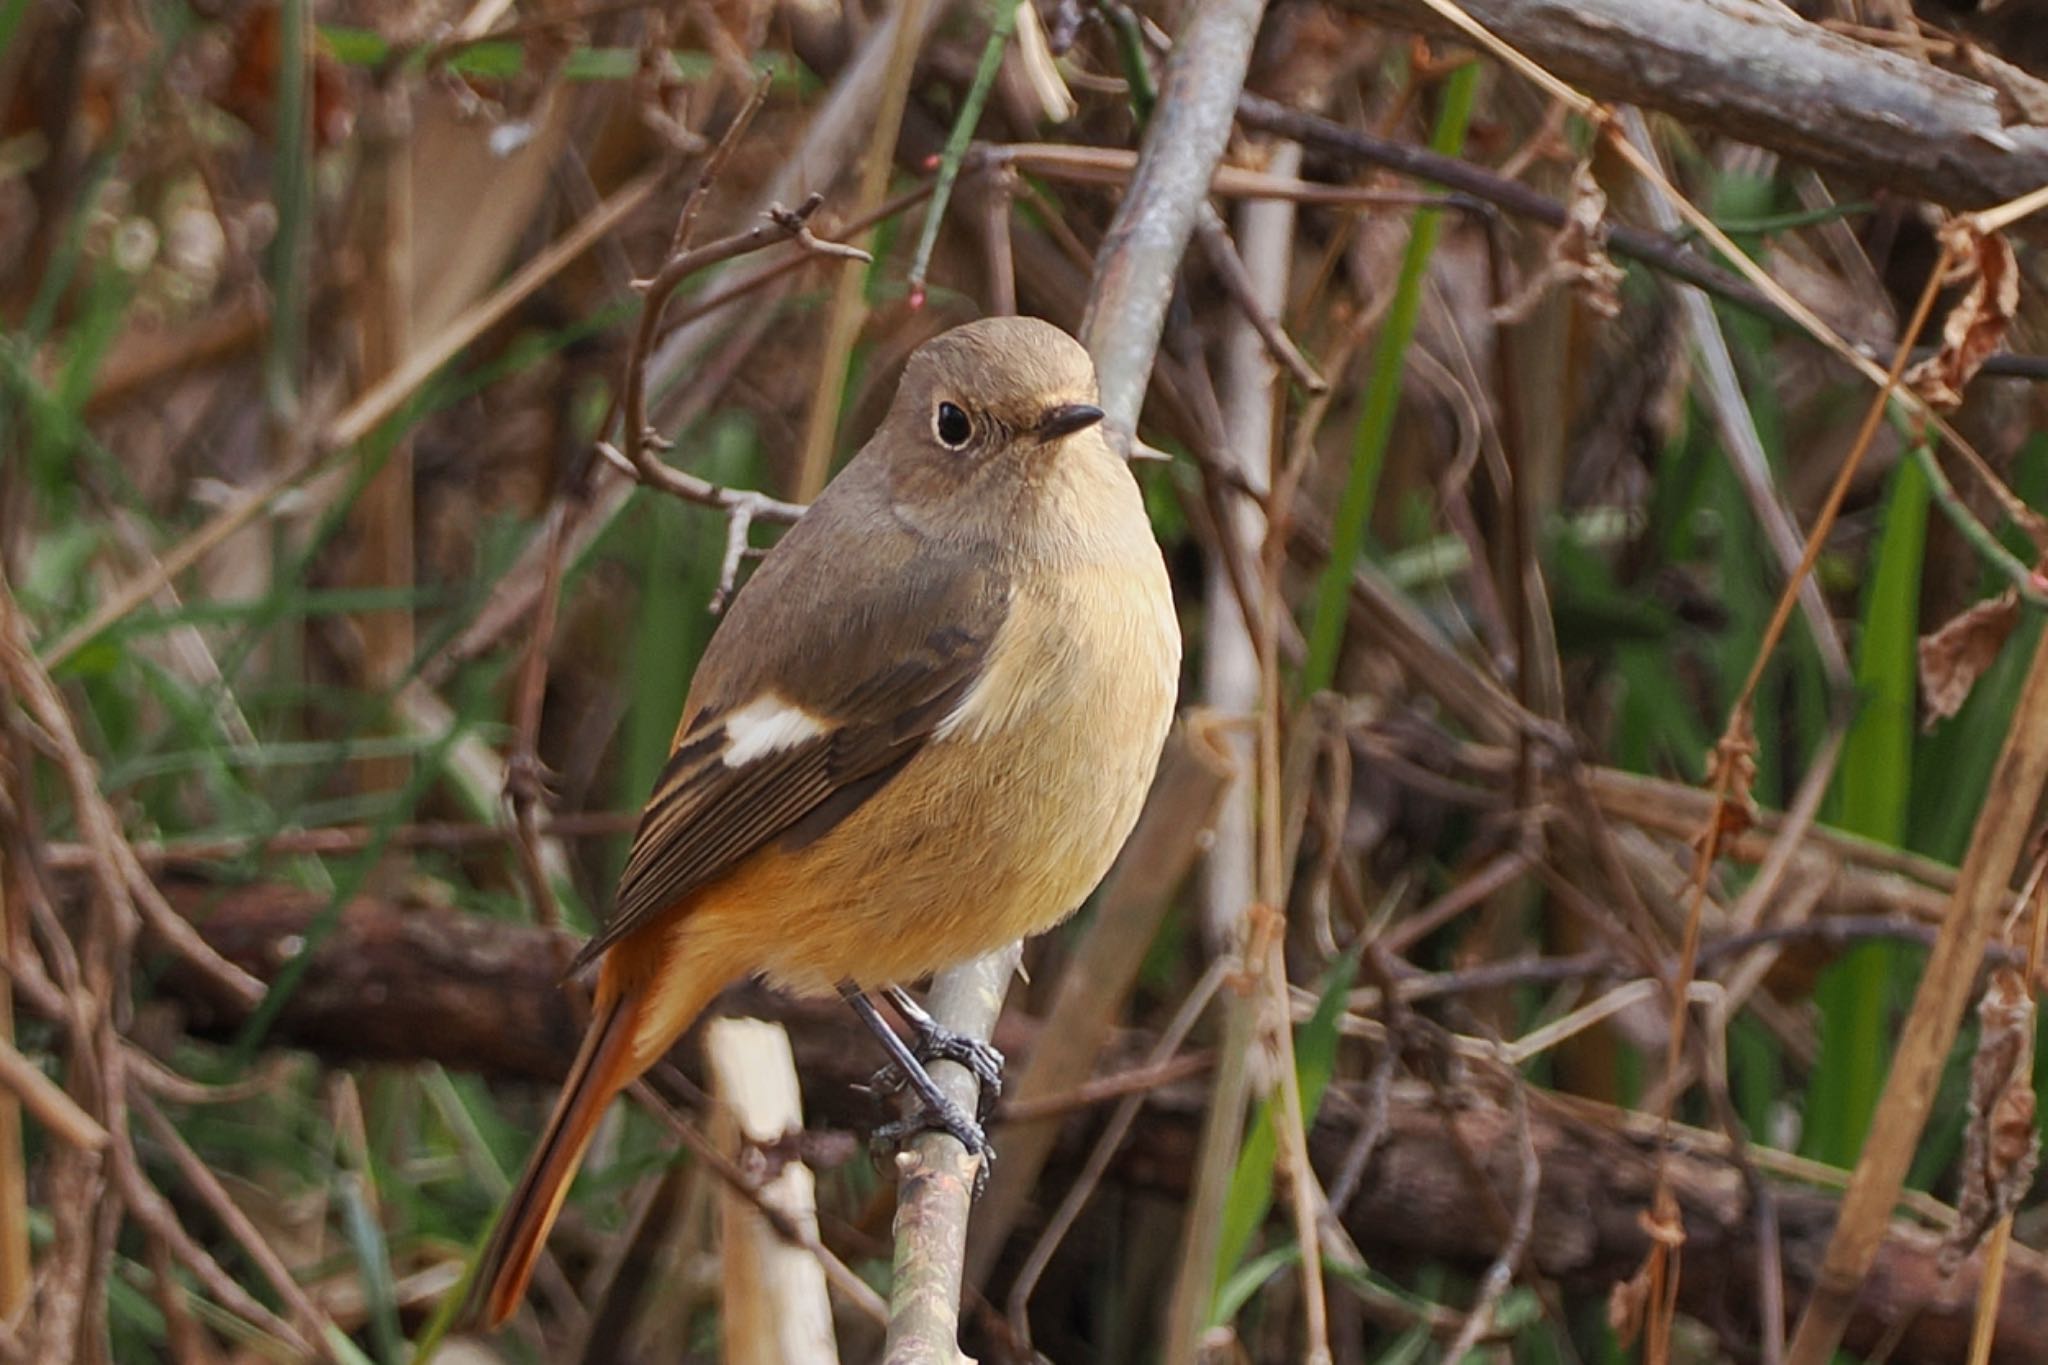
[{"x": 1066, "y": 419}]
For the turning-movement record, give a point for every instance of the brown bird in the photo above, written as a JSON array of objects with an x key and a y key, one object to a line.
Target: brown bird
[{"x": 923, "y": 730}]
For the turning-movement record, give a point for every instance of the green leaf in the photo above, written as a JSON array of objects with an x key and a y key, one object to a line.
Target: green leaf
[
  {"x": 1382, "y": 400},
  {"x": 1874, "y": 790}
]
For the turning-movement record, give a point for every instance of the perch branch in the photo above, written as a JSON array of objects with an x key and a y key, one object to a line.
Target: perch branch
[{"x": 936, "y": 1179}]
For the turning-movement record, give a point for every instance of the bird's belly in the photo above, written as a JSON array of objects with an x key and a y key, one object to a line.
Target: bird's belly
[{"x": 998, "y": 830}]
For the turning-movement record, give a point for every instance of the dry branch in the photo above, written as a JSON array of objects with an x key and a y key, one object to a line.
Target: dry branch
[
  {"x": 774, "y": 1292},
  {"x": 1416, "y": 1199},
  {"x": 1663, "y": 253},
  {"x": 936, "y": 1180},
  {"x": 480, "y": 996},
  {"x": 1757, "y": 73}
]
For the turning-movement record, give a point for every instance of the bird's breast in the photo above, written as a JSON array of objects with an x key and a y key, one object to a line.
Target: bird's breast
[{"x": 1004, "y": 823}]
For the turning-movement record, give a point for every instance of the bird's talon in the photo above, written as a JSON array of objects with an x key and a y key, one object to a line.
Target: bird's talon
[
  {"x": 948, "y": 1119},
  {"x": 944, "y": 1045},
  {"x": 887, "y": 1080}
]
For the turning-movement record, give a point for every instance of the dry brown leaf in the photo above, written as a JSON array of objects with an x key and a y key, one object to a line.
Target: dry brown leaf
[
  {"x": 1628, "y": 1303},
  {"x": 1976, "y": 326},
  {"x": 1955, "y": 656},
  {"x": 1732, "y": 766},
  {"x": 1577, "y": 258},
  {"x": 659, "y": 92},
  {"x": 2000, "y": 1146}
]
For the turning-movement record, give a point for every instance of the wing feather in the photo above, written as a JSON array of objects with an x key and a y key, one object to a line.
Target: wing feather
[{"x": 705, "y": 815}]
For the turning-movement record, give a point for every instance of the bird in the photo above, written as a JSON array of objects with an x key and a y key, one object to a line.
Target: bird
[{"x": 923, "y": 729}]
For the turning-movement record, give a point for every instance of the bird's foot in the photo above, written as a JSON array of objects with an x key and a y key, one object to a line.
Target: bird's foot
[
  {"x": 932, "y": 1109},
  {"x": 934, "y": 1042},
  {"x": 937, "y": 1114},
  {"x": 944, "y": 1117}
]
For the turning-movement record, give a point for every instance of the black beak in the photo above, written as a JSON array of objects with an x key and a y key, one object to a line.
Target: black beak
[{"x": 1067, "y": 419}]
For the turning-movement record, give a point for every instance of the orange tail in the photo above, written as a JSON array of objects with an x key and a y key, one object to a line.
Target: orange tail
[
  {"x": 649, "y": 989},
  {"x": 603, "y": 1067}
]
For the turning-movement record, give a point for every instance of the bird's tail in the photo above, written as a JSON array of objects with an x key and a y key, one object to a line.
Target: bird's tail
[
  {"x": 502, "y": 1271},
  {"x": 648, "y": 995}
]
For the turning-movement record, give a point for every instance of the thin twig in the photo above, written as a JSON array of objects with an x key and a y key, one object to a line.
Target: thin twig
[
  {"x": 1099, "y": 1157},
  {"x": 206, "y": 1187},
  {"x": 1214, "y": 237},
  {"x": 1138, "y": 1080},
  {"x": 340, "y": 839},
  {"x": 360, "y": 418},
  {"x": 635, "y": 455},
  {"x": 1664, "y": 254},
  {"x": 148, "y": 1207},
  {"x": 1500, "y": 1274},
  {"x": 842, "y": 1276},
  {"x": 47, "y": 1100},
  {"x": 114, "y": 867}
]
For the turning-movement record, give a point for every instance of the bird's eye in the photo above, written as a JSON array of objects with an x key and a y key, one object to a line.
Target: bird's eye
[{"x": 952, "y": 426}]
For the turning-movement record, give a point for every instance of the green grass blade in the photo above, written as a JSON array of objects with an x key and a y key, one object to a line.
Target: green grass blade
[
  {"x": 1382, "y": 400},
  {"x": 1250, "y": 1196},
  {"x": 373, "y": 1261},
  {"x": 1004, "y": 24},
  {"x": 1874, "y": 792},
  {"x": 292, "y": 190}
]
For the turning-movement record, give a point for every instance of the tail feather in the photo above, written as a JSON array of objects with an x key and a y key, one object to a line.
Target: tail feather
[{"x": 603, "y": 1066}]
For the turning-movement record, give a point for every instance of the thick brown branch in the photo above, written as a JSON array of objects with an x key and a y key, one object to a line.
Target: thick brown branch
[
  {"x": 1416, "y": 1199},
  {"x": 1757, "y": 73},
  {"x": 396, "y": 984},
  {"x": 1660, "y": 252}
]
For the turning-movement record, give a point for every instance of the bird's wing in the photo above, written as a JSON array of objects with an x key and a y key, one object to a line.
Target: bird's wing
[{"x": 796, "y": 723}]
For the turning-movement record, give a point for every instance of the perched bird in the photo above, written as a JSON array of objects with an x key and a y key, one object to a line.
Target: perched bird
[{"x": 923, "y": 730}]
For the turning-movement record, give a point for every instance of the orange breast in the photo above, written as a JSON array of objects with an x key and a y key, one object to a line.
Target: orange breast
[{"x": 996, "y": 831}]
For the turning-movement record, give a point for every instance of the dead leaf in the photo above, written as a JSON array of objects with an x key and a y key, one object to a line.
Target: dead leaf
[
  {"x": 1976, "y": 326},
  {"x": 1732, "y": 773},
  {"x": 1577, "y": 258},
  {"x": 2000, "y": 1145},
  {"x": 1628, "y": 1303},
  {"x": 249, "y": 89},
  {"x": 660, "y": 94},
  {"x": 1955, "y": 656}
]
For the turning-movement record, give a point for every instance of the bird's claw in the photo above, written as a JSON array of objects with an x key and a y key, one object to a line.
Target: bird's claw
[
  {"x": 932, "y": 1042},
  {"x": 941, "y": 1116},
  {"x": 941, "y": 1044}
]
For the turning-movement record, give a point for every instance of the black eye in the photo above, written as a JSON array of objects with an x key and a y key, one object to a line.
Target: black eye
[{"x": 952, "y": 426}]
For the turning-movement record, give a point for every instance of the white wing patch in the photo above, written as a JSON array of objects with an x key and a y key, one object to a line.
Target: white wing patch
[{"x": 765, "y": 725}]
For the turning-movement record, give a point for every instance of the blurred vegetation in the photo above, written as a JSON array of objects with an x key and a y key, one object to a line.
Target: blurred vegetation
[{"x": 275, "y": 605}]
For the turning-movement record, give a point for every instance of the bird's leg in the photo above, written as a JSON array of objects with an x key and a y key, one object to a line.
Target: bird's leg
[
  {"x": 935, "y": 1042},
  {"x": 938, "y": 1110}
]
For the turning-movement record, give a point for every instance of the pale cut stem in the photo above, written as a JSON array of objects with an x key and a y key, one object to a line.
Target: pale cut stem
[{"x": 776, "y": 1306}]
